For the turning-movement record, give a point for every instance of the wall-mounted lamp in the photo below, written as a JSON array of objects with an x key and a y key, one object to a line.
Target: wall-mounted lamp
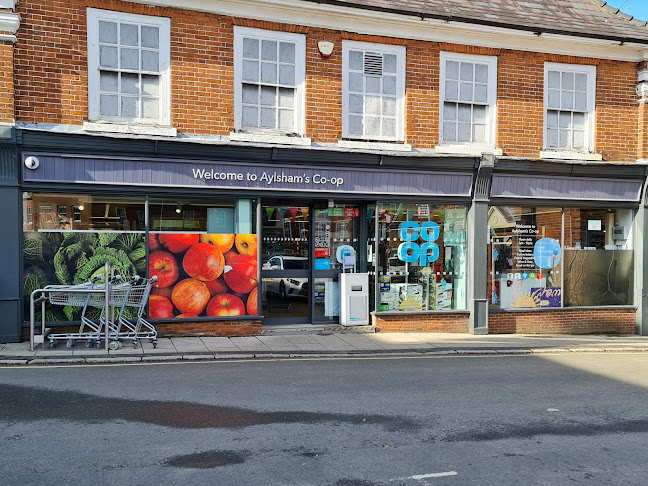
[
  {"x": 80, "y": 207},
  {"x": 325, "y": 49},
  {"x": 178, "y": 208}
]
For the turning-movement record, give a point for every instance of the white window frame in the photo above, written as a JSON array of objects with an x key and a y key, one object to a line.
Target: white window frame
[
  {"x": 400, "y": 52},
  {"x": 300, "y": 80},
  {"x": 491, "y": 93},
  {"x": 589, "y": 145},
  {"x": 164, "y": 25}
]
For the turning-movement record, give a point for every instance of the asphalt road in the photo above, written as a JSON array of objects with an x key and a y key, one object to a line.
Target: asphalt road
[{"x": 491, "y": 420}]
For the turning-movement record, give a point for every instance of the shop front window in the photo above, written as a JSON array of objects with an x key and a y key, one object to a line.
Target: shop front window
[
  {"x": 525, "y": 257},
  {"x": 421, "y": 259}
]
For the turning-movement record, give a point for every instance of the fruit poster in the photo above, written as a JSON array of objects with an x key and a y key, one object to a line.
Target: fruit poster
[
  {"x": 71, "y": 258},
  {"x": 213, "y": 275}
]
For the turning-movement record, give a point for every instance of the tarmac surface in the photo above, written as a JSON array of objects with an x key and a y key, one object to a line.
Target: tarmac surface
[{"x": 303, "y": 344}]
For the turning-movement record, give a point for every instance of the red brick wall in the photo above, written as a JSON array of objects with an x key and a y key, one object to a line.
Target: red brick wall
[
  {"x": 51, "y": 79},
  {"x": 6, "y": 83},
  {"x": 421, "y": 323},
  {"x": 576, "y": 321},
  {"x": 212, "y": 328}
]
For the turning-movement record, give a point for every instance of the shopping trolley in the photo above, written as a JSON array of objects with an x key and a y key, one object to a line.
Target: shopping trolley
[{"x": 137, "y": 297}]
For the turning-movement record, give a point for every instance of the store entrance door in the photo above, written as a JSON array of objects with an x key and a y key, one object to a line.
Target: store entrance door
[{"x": 300, "y": 267}]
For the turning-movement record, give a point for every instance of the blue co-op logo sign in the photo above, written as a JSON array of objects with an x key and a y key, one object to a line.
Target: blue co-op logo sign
[{"x": 410, "y": 251}]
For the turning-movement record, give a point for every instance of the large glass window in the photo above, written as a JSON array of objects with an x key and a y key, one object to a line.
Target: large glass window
[
  {"x": 543, "y": 257},
  {"x": 421, "y": 260}
]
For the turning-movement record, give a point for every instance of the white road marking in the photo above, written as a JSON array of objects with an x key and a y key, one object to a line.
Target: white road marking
[{"x": 420, "y": 477}]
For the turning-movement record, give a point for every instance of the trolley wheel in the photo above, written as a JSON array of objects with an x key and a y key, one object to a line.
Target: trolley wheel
[
  {"x": 89, "y": 343},
  {"x": 113, "y": 345},
  {"x": 154, "y": 344},
  {"x": 135, "y": 345},
  {"x": 70, "y": 343},
  {"x": 52, "y": 344}
]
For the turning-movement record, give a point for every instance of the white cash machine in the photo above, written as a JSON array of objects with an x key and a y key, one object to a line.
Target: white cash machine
[{"x": 354, "y": 290}]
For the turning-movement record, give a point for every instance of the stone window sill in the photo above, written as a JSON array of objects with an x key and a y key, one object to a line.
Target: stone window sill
[{"x": 130, "y": 129}]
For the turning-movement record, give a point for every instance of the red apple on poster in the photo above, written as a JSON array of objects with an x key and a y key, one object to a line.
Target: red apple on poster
[
  {"x": 163, "y": 291},
  {"x": 178, "y": 242},
  {"x": 184, "y": 316},
  {"x": 224, "y": 242},
  {"x": 253, "y": 303},
  {"x": 229, "y": 255},
  {"x": 163, "y": 265},
  {"x": 160, "y": 307},
  {"x": 217, "y": 286},
  {"x": 242, "y": 277},
  {"x": 203, "y": 261},
  {"x": 246, "y": 244},
  {"x": 225, "y": 305},
  {"x": 154, "y": 244},
  {"x": 190, "y": 296}
]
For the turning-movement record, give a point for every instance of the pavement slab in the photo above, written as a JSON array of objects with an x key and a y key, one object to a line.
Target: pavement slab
[
  {"x": 189, "y": 345},
  {"x": 219, "y": 344},
  {"x": 250, "y": 344},
  {"x": 277, "y": 343}
]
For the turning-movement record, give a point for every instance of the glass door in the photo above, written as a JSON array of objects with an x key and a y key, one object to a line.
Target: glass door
[
  {"x": 285, "y": 263},
  {"x": 336, "y": 233}
]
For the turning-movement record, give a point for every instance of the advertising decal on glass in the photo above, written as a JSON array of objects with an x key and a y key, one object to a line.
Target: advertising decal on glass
[{"x": 212, "y": 275}]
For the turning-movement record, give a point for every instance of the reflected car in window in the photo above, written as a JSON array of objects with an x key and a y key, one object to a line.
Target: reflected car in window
[{"x": 287, "y": 286}]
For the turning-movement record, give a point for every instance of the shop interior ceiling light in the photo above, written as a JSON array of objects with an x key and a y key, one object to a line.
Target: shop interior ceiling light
[{"x": 179, "y": 208}]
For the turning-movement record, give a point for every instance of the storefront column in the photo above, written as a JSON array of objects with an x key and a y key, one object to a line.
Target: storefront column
[
  {"x": 10, "y": 245},
  {"x": 478, "y": 248},
  {"x": 641, "y": 252}
]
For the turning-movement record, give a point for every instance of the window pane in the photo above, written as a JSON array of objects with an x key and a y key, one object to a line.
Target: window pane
[
  {"x": 355, "y": 103},
  {"x": 567, "y": 100},
  {"x": 449, "y": 132},
  {"x": 464, "y": 132},
  {"x": 251, "y": 94},
  {"x": 268, "y": 72},
  {"x": 250, "y": 48},
  {"x": 451, "y": 90},
  {"x": 389, "y": 63},
  {"x": 464, "y": 113},
  {"x": 355, "y": 125},
  {"x": 554, "y": 79},
  {"x": 287, "y": 75},
  {"x": 129, "y": 35},
  {"x": 287, "y": 52},
  {"x": 151, "y": 108},
  {"x": 372, "y": 105},
  {"x": 481, "y": 95},
  {"x": 389, "y": 85},
  {"x": 450, "y": 111},
  {"x": 567, "y": 80},
  {"x": 564, "y": 139},
  {"x": 579, "y": 140},
  {"x": 552, "y": 119},
  {"x": 268, "y": 50},
  {"x": 553, "y": 99},
  {"x": 389, "y": 127},
  {"x": 129, "y": 59},
  {"x": 580, "y": 82},
  {"x": 479, "y": 133},
  {"x": 250, "y": 71},
  {"x": 579, "y": 121},
  {"x": 268, "y": 118},
  {"x": 373, "y": 84},
  {"x": 481, "y": 73},
  {"x": 552, "y": 138},
  {"x": 250, "y": 117},
  {"x": 564, "y": 119},
  {"x": 466, "y": 92},
  {"x": 286, "y": 97},
  {"x": 150, "y": 61},
  {"x": 452, "y": 70},
  {"x": 108, "y": 57},
  {"x": 372, "y": 126},
  {"x": 150, "y": 37},
  {"x": 108, "y": 105},
  {"x": 466, "y": 71},
  {"x": 130, "y": 83},
  {"x": 268, "y": 95},
  {"x": 356, "y": 60},
  {"x": 108, "y": 32},
  {"x": 479, "y": 114},
  {"x": 286, "y": 118},
  {"x": 580, "y": 102},
  {"x": 108, "y": 81},
  {"x": 356, "y": 82},
  {"x": 389, "y": 106},
  {"x": 150, "y": 85},
  {"x": 128, "y": 107}
]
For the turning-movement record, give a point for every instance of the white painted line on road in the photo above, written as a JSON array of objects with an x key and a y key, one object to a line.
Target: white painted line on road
[{"x": 420, "y": 477}]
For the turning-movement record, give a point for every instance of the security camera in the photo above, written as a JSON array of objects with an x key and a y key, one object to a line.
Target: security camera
[{"x": 32, "y": 162}]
